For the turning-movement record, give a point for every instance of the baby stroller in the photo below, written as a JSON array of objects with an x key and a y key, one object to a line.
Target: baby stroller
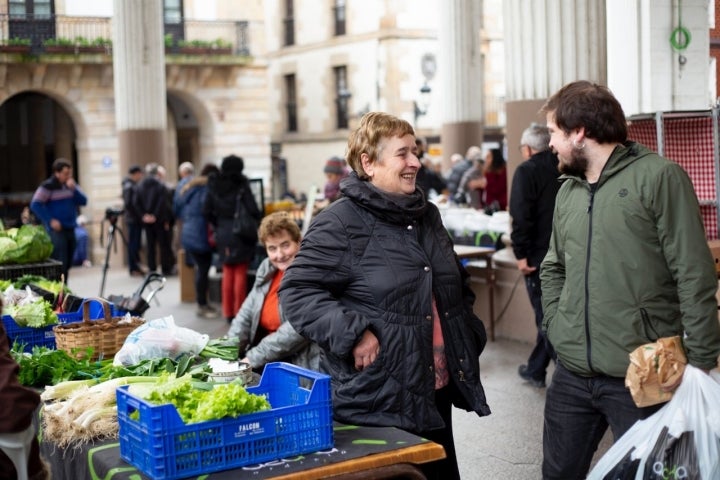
[{"x": 138, "y": 303}]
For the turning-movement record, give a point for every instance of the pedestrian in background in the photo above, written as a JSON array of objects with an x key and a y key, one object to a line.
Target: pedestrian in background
[
  {"x": 334, "y": 171},
  {"x": 56, "y": 202},
  {"x": 225, "y": 191},
  {"x": 133, "y": 220},
  {"x": 152, "y": 204},
  {"x": 189, "y": 205},
  {"x": 82, "y": 244},
  {"x": 458, "y": 169},
  {"x": 494, "y": 182},
  {"x": 532, "y": 201},
  {"x": 628, "y": 263},
  {"x": 377, "y": 285},
  {"x": 473, "y": 196},
  {"x": 431, "y": 183}
]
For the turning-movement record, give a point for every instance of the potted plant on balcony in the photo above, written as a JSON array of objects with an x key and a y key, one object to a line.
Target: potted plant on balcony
[
  {"x": 97, "y": 45},
  {"x": 59, "y": 45},
  {"x": 221, "y": 47},
  {"x": 15, "y": 45},
  {"x": 194, "y": 47},
  {"x": 169, "y": 42}
]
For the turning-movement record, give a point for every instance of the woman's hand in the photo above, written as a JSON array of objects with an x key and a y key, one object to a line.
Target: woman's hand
[{"x": 366, "y": 350}]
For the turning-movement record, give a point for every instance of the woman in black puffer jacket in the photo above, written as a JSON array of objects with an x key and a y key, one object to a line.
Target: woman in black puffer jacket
[
  {"x": 235, "y": 253},
  {"x": 378, "y": 286}
]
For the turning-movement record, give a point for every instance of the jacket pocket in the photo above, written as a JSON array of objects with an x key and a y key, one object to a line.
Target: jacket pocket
[{"x": 648, "y": 328}]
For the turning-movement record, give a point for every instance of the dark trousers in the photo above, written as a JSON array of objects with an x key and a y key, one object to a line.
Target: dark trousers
[
  {"x": 446, "y": 469},
  {"x": 578, "y": 411},
  {"x": 158, "y": 239},
  {"x": 134, "y": 238},
  {"x": 543, "y": 352},
  {"x": 202, "y": 262},
  {"x": 63, "y": 248}
]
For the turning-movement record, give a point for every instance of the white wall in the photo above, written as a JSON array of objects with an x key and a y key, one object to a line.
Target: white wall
[{"x": 644, "y": 71}]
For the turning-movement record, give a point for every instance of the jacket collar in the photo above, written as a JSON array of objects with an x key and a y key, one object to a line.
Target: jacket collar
[
  {"x": 397, "y": 209},
  {"x": 621, "y": 157}
]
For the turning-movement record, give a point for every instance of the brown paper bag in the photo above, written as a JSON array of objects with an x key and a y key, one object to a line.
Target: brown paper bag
[{"x": 654, "y": 366}]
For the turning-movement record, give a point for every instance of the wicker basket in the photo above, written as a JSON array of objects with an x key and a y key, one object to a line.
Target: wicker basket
[{"x": 106, "y": 336}]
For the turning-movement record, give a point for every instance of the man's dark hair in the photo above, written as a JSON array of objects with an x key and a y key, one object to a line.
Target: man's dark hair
[
  {"x": 584, "y": 104},
  {"x": 60, "y": 164}
]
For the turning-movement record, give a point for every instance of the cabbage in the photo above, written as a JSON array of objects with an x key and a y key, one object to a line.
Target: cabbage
[{"x": 26, "y": 244}]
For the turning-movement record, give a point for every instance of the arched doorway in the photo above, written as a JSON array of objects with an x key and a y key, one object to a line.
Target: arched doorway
[
  {"x": 34, "y": 131},
  {"x": 184, "y": 132}
]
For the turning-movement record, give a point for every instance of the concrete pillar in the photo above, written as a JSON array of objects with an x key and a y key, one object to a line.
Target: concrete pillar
[
  {"x": 139, "y": 81},
  {"x": 461, "y": 67}
]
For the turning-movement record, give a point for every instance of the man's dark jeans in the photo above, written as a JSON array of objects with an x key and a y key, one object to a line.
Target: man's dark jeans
[
  {"x": 134, "y": 244},
  {"x": 63, "y": 248},
  {"x": 543, "y": 352},
  {"x": 578, "y": 411}
]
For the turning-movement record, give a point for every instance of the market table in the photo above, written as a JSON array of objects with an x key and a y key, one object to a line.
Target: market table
[
  {"x": 359, "y": 452},
  {"x": 484, "y": 254}
]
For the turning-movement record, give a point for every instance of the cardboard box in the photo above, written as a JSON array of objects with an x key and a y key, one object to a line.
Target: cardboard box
[
  {"x": 715, "y": 251},
  {"x": 187, "y": 279}
]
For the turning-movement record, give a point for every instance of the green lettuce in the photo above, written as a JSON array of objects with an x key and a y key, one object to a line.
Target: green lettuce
[
  {"x": 198, "y": 402},
  {"x": 35, "y": 314}
]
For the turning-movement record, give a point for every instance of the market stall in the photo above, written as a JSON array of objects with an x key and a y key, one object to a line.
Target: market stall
[
  {"x": 363, "y": 451},
  {"x": 159, "y": 409}
]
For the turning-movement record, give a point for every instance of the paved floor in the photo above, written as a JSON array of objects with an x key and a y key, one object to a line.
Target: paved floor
[{"x": 504, "y": 445}]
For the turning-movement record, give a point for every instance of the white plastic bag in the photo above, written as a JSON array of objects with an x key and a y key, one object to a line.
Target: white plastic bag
[
  {"x": 159, "y": 338},
  {"x": 680, "y": 441}
]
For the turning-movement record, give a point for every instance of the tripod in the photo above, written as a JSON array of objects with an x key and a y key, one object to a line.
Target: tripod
[{"x": 112, "y": 216}]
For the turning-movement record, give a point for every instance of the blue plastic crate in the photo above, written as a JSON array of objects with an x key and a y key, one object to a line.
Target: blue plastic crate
[
  {"x": 30, "y": 337},
  {"x": 161, "y": 446},
  {"x": 44, "y": 336}
]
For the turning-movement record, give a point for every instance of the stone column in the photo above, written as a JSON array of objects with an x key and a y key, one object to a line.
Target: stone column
[
  {"x": 461, "y": 69},
  {"x": 139, "y": 81},
  {"x": 548, "y": 43}
]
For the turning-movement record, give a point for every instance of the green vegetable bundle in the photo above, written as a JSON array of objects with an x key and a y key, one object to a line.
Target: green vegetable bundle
[
  {"x": 26, "y": 244},
  {"x": 45, "y": 367},
  {"x": 224, "y": 348}
]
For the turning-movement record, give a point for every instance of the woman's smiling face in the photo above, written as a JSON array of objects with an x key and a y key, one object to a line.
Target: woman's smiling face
[
  {"x": 281, "y": 249},
  {"x": 397, "y": 166}
]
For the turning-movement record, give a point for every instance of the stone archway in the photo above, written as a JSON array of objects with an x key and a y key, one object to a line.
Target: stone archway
[
  {"x": 35, "y": 129},
  {"x": 189, "y": 129}
]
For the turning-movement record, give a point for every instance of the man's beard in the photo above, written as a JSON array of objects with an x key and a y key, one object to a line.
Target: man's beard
[{"x": 575, "y": 165}]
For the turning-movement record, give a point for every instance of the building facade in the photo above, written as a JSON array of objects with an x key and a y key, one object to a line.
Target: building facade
[{"x": 57, "y": 98}]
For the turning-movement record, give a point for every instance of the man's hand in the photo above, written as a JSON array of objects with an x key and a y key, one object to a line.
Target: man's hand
[
  {"x": 55, "y": 224},
  {"x": 70, "y": 183},
  {"x": 524, "y": 267},
  {"x": 366, "y": 350}
]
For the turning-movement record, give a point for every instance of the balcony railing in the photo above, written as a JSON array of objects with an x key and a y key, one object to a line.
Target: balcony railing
[{"x": 43, "y": 31}]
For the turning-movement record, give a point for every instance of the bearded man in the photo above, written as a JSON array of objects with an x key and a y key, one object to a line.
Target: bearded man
[{"x": 628, "y": 263}]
